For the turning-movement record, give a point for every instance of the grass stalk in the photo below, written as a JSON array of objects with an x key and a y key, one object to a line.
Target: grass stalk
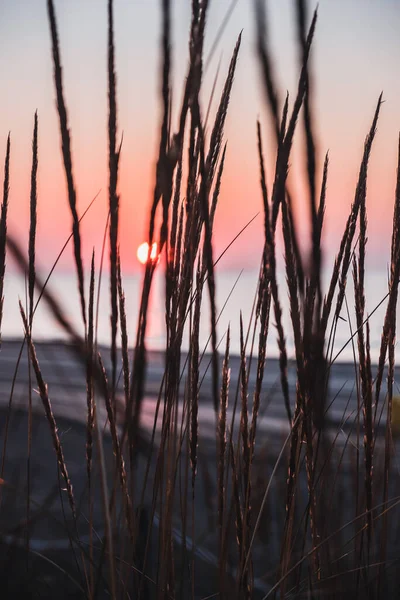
[
  {"x": 67, "y": 155},
  {"x": 3, "y": 225}
]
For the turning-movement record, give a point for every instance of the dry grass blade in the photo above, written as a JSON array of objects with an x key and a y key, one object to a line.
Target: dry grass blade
[
  {"x": 163, "y": 185},
  {"x": 244, "y": 421},
  {"x": 396, "y": 502},
  {"x": 270, "y": 278},
  {"x": 366, "y": 389},
  {"x": 265, "y": 308},
  {"x": 282, "y": 164},
  {"x": 362, "y": 242},
  {"x": 225, "y": 250},
  {"x": 322, "y": 198},
  {"x": 388, "y": 343},
  {"x": 105, "y": 502},
  {"x": 302, "y": 86},
  {"x": 314, "y": 335},
  {"x": 295, "y": 244},
  {"x": 284, "y": 147},
  {"x": 30, "y": 309},
  {"x": 310, "y": 143},
  {"x": 49, "y": 414},
  {"x": 221, "y": 438},
  {"x": 219, "y": 33},
  {"x": 207, "y": 172},
  {"x": 33, "y": 219},
  {"x": 174, "y": 240},
  {"x": 344, "y": 257},
  {"x": 3, "y": 226},
  {"x": 263, "y": 183},
  {"x": 211, "y": 98},
  {"x": 218, "y": 129},
  {"x": 257, "y": 523},
  {"x": 320, "y": 221},
  {"x": 389, "y": 321},
  {"x": 245, "y": 575},
  {"x": 120, "y": 464},
  {"x": 113, "y": 160},
  {"x": 139, "y": 366},
  {"x": 396, "y": 214},
  {"x": 364, "y": 353},
  {"x": 314, "y": 291},
  {"x": 193, "y": 79},
  {"x": 90, "y": 413},
  {"x": 292, "y": 482},
  {"x": 58, "y": 567},
  {"x": 89, "y": 378},
  {"x": 217, "y": 187},
  {"x": 388, "y": 449},
  {"x": 66, "y": 152},
  {"x": 124, "y": 333},
  {"x": 369, "y": 435},
  {"x": 163, "y": 189},
  {"x": 266, "y": 64},
  {"x": 194, "y": 379},
  {"x": 46, "y": 281},
  {"x": 292, "y": 282},
  {"x": 236, "y": 499}
]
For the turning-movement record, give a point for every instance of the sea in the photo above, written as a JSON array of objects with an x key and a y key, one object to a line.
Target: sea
[{"x": 235, "y": 293}]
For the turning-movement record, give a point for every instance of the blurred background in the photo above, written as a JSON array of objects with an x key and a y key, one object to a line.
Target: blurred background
[{"x": 354, "y": 58}]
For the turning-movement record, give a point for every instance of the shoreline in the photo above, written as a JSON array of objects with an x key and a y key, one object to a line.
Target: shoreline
[{"x": 65, "y": 376}]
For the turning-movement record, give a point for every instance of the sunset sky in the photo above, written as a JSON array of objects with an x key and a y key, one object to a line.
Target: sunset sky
[{"x": 355, "y": 56}]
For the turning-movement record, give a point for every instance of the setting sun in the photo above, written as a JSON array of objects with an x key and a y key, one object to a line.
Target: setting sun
[{"x": 143, "y": 252}]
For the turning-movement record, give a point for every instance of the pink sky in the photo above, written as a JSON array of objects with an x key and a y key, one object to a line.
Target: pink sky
[{"x": 355, "y": 57}]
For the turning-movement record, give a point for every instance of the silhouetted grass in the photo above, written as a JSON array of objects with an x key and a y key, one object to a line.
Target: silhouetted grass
[
  {"x": 231, "y": 512},
  {"x": 3, "y": 225},
  {"x": 113, "y": 197},
  {"x": 66, "y": 152}
]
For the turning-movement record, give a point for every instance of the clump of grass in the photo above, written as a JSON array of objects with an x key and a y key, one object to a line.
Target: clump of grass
[{"x": 155, "y": 540}]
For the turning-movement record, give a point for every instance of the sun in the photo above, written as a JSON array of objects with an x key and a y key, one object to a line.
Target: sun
[{"x": 144, "y": 250}]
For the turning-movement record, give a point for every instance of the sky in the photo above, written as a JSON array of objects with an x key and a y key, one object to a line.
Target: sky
[{"x": 355, "y": 57}]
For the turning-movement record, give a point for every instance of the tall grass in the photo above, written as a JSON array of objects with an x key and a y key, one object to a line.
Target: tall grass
[
  {"x": 3, "y": 224},
  {"x": 236, "y": 514}
]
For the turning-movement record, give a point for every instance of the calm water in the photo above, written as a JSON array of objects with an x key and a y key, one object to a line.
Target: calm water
[{"x": 241, "y": 299}]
